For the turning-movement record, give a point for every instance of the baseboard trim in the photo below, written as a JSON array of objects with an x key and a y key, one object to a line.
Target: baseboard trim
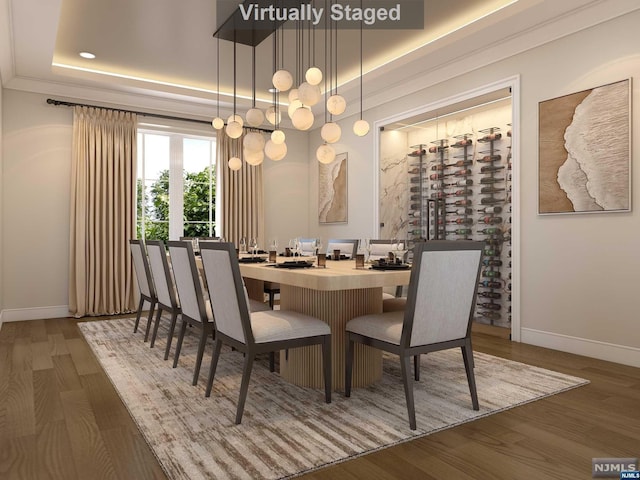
[
  {"x": 34, "y": 313},
  {"x": 582, "y": 346}
]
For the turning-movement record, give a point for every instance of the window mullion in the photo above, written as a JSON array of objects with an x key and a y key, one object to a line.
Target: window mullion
[{"x": 176, "y": 188}]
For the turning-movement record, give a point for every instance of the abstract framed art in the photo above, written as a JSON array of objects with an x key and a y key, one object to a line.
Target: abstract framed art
[
  {"x": 332, "y": 190},
  {"x": 584, "y": 151}
]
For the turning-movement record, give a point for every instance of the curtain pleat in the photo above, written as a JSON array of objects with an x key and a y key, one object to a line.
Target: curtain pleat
[
  {"x": 103, "y": 192},
  {"x": 242, "y": 192}
]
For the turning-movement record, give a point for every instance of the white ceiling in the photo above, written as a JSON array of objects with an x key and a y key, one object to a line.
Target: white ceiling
[{"x": 161, "y": 53}]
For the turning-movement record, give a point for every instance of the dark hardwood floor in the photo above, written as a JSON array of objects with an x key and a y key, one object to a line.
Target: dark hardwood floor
[{"x": 60, "y": 418}]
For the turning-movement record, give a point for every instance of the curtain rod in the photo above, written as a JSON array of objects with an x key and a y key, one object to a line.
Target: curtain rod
[{"x": 57, "y": 103}]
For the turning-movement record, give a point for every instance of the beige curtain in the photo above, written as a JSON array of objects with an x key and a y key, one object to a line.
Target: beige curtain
[
  {"x": 103, "y": 192},
  {"x": 242, "y": 194}
]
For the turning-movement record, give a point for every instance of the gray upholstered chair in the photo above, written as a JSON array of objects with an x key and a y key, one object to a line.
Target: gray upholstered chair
[
  {"x": 438, "y": 315},
  {"x": 145, "y": 283},
  {"x": 346, "y": 247},
  {"x": 254, "y": 333},
  {"x": 195, "y": 309},
  {"x": 165, "y": 290},
  {"x": 307, "y": 247},
  {"x": 379, "y": 249}
]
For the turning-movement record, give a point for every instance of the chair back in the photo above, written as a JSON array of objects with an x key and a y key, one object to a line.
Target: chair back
[
  {"x": 161, "y": 273},
  {"x": 346, "y": 247},
  {"x": 141, "y": 266},
  {"x": 307, "y": 246},
  {"x": 442, "y": 291},
  {"x": 226, "y": 290},
  {"x": 185, "y": 272}
]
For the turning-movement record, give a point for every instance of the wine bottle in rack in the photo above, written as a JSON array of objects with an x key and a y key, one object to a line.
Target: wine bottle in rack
[
  {"x": 436, "y": 195},
  {"x": 415, "y": 222},
  {"x": 415, "y": 180},
  {"x": 460, "y": 231},
  {"x": 465, "y": 192},
  {"x": 490, "y": 262},
  {"x": 440, "y": 222},
  {"x": 415, "y": 213},
  {"x": 417, "y": 231},
  {"x": 491, "y": 252},
  {"x": 491, "y": 273},
  {"x": 496, "y": 241},
  {"x": 465, "y": 142},
  {"x": 491, "y": 168},
  {"x": 491, "y": 190},
  {"x": 416, "y": 170},
  {"x": 486, "y": 180},
  {"x": 461, "y": 221},
  {"x": 490, "y": 284},
  {"x": 415, "y": 197},
  {"x": 496, "y": 209},
  {"x": 460, "y": 211},
  {"x": 492, "y": 295},
  {"x": 490, "y": 137},
  {"x": 490, "y": 306},
  {"x": 490, "y": 231},
  {"x": 459, "y": 173},
  {"x": 459, "y": 163},
  {"x": 415, "y": 189},
  {"x": 490, "y": 220},
  {"x": 491, "y": 200},
  {"x": 436, "y": 149},
  {"x": 490, "y": 314},
  {"x": 437, "y": 186},
  {"x": 437, "y": 167},
  {"x": 436, "y": 176},
  {"x": 415, "y": 206},
  {"x": 461, "y": 203},
  {"x": 460, "y": 183},
  {"x": 417, "y": 153},
  {"x": 489, "y": 158}
]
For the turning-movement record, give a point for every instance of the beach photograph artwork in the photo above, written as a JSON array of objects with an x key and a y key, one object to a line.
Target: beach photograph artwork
[
  {"x": 584, "y": 151},
  {"x": 332, "y": 190}
]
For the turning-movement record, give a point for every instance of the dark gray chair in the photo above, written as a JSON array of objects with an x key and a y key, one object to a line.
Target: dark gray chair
[
  {"x": 195, "y": 309},
  {"x": 145, "y": 283},
  {"x": 254, "y": 333},
  {"x": 165, "y": 290},
  {"x": 348, "y": 247},
  {"x": 442, "y": 294}
]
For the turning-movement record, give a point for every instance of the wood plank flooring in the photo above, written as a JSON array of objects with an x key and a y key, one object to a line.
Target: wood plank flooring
[{"x": 60, "y": 418}]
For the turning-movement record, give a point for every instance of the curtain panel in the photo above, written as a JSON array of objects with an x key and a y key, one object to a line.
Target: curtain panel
[
  {"x": 103, "y": 194},
  {"x": 242, "y": 193}
]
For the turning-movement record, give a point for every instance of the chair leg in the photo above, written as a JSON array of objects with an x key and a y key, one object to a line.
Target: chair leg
[
  {"x": 272, "y": 299},
  {"x": 416, "y": 367},
  {"x": 272, "y": 361},
  {"x": 152, "y": 307},
  {"x": 244, "y": 385},
  {"x": 217, "y": 346},
  {"x": 326, "y": 362},
  {"x": 201, "y": 345},
  {"x": 467, "y": 355},
  {"x": 348, "y": 366},
  {"x": 405, "y": 364},
  {"x": 172, "y": 327},
  {"x": 176, "y": 355},
  {"x": 138, "y": 314},
  {"x": 155, "y": 327}
]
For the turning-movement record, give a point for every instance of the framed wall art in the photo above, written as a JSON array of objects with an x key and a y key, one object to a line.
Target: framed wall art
[
  {"x": 584, "y": 151},
  {"x": 332, "y": 190}
]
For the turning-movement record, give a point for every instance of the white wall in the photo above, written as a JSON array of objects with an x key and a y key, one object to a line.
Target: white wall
[
  {"x": 35, "y": 201},
  {"x": 580, "y": 274}
]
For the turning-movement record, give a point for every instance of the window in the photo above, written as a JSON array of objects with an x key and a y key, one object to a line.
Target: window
[{"x": 176, "y": 186}]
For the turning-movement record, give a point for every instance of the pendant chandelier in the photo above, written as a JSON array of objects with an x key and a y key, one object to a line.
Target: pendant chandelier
[{"x": 302, "y": 87}]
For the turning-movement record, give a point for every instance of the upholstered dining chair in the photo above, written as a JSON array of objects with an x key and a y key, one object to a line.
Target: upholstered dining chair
[
  {"x": 194, "y": 308},
  {"x": 165, "y": 290},
  {"x": 145, "y": 283},
  {"x": 440, "y": 303},
  {"x": 379, "y": 249},
  {"x": 254, "y": 333},
  {"x": 346, "y": 247}
]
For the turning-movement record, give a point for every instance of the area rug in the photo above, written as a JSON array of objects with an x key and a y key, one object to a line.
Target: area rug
[{"x": 287, "y": 430}]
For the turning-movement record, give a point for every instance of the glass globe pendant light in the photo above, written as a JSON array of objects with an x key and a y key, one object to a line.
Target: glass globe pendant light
[
  {"x": 217, "y": 122},
  {"x": 234, "y": 123},
  {"x": 361, "y": 127}
]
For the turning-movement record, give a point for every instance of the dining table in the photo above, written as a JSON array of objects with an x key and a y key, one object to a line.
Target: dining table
[{"x": 335, "y": 294}]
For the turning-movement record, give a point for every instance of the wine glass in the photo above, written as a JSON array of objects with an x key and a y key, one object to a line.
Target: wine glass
[
  {"x": 394, "y": 248},
  {"x": 273, "y": 245},
  {"x": 253, "y": 246},
  {"x": 243, "y": 245},
  {"x": 318, "y": 245},
  {"x": 402, "y": 249}
]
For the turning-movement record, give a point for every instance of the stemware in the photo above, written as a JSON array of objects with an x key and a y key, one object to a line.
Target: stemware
[
  {"x": 253, "y": 246},
  {"x": 273, "y": 245},
  {"x": 402, "y": 249},
  {"x": 318, "y": 245},
  {"x": 243, "y": 245}
]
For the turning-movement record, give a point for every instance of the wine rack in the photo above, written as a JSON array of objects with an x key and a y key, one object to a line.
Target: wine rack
[{"x": 465, "y": 194}]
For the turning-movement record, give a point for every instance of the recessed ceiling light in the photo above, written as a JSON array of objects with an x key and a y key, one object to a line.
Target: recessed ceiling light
[{"x": 87, "y": 55}]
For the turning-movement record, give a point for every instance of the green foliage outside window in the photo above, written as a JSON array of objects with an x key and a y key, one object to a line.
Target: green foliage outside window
[{"x": 195, "y": 209}]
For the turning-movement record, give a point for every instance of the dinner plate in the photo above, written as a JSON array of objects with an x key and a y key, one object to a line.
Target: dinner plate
[
  {"x": 391, "y": 266},
  {"x": 300, "y": 264},
  {"x": 252, "y": 260}
]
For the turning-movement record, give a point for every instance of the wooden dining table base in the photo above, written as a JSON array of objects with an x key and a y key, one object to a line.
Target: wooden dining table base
[{"x": 303, "y": 366}]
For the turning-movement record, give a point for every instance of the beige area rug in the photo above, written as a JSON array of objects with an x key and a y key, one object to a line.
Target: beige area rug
[{"x": 288, "y": 430}]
